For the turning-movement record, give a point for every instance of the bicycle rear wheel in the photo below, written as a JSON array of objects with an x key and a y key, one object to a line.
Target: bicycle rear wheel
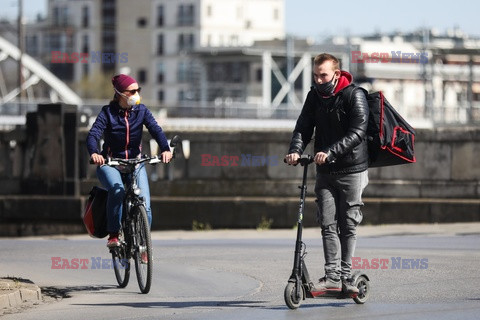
[
  {"x": 143, "y": 251},
  {"x": 121, "y": 265}
]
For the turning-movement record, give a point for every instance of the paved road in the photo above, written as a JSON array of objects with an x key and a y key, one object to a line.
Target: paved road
[{"x": 242, "y": 274}]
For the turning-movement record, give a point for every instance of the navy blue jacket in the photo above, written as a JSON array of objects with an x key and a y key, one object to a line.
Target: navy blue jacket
[{"x": 122, "y": 131}]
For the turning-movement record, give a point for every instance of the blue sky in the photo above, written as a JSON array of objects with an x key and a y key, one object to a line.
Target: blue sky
[
  {"x": 322, "y": 18},
  {"x": 318, "y": 18}
]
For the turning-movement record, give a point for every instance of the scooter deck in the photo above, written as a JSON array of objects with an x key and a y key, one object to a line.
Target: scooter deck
[{"x": 331, "y": 293}]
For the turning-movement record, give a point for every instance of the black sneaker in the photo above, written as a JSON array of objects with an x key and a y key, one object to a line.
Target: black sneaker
[
  {"x": 327, "y": 285},
  {"x": 348, "y": 287}
]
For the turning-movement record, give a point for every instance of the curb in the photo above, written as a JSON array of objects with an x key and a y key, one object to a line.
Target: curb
[{"x": 14, "y": 292}]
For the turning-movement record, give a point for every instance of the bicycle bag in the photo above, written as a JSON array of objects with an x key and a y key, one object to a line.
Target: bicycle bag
[
  {"x": 95, "y": 214},
  {"x": 390, "y": 138}
]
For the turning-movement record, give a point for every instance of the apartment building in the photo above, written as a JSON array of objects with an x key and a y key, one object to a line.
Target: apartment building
[
  {"x": 428, "y": 74},
  {"x": 153, "y": 40}
]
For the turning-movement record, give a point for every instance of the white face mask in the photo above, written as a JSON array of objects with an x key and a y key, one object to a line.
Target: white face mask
[{"x": 132, "y": 100}]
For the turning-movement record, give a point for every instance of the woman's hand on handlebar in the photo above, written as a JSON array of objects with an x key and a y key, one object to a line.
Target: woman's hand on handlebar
[
  {"x": 98, "y": 159},
  {"x": 166, "y": 156},
  {"x": 292, "y": 158}
]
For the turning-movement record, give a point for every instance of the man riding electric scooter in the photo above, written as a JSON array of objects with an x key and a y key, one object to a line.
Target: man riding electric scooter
[{"x": 342, "y": 161}]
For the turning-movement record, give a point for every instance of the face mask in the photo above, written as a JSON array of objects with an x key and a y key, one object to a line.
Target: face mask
[
  {"x": 132, "y": 100},
  {"x": 326, "y": 89}
]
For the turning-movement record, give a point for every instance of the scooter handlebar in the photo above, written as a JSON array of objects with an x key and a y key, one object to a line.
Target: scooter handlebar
[{"x": 304, "y": 159}]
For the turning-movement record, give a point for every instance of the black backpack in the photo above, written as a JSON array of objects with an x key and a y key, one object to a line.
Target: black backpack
[{"x": 390, "y": 138}]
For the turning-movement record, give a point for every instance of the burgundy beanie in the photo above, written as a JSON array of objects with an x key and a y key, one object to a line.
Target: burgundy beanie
[{"x": 122, "y": 81}]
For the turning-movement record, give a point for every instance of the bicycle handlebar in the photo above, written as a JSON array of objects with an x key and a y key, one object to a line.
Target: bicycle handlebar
[
  {"x": 131, "y": 162},
  {"x": 109, "y": 161}
]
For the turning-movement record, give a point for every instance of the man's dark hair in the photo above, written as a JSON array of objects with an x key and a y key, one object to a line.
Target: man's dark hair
[{"x": 322, "y": 57}]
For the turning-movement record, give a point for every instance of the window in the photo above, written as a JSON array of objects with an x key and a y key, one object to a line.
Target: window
[
  {"x": 275, "y": 14},
  {"x": 160, "y": 96},
  {"x": 85, "y": 47},
  {"x": 236, "y": 72},
  {"x": 186, "y": 41},
  {"x": 259, "y": 75},
  {"x": 60, "y": 16},
  {"x": 186, "y": 15},
  {"x": 182, "y": 71},
  {"x": 55, "y": 42},
  {"x": 85, "y": 67},
  {"x": 181, "y": 95},
  {"x": 85, "y": 17},
  {"x": 142, "y": 76},
  {"x": 160, "y": 16},
  {"x": 108, "y": 37},
  {"x": 191, "y": 41},
  {"x": 31, "y": 44},
  {"x": 160, "y": 72},
  {"x": 142, "y": 22},
  {"x": 160, "y": 44}
]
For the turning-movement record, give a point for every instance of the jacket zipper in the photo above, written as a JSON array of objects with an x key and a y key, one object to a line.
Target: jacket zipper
[{"x": 127, "y": 133}]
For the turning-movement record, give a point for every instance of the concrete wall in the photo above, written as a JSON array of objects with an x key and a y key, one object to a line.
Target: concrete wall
[{"x": 443, "y": 186}]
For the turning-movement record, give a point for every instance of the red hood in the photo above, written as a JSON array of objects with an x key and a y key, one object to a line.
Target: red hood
[{"x": 344, "y": 80}]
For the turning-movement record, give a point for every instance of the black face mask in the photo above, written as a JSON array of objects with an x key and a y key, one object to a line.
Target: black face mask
[{"x": 326, "y": 89}]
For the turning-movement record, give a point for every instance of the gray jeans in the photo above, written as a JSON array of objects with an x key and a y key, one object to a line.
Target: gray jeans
[{"x": 339, "y": 198}]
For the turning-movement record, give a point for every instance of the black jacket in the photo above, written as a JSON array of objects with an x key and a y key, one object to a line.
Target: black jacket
[{"x": 340, "y": 131}]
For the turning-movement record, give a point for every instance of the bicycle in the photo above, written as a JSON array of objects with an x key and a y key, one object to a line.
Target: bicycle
[{"x": 135, "y": 239}]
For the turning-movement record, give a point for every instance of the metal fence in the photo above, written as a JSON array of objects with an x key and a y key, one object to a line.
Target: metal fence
[{"x": 14, "y": 113}]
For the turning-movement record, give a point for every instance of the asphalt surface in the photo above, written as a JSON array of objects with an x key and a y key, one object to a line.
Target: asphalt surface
[{"x": 240, "y": 274}]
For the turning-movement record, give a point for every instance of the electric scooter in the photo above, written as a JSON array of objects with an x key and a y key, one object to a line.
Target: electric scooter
[{"x": 300, "y": 286}]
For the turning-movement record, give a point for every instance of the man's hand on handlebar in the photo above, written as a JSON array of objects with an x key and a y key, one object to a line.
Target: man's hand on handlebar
[
  {"x": 98, "y": 159},
  {"x": 292, "y": 158},
  {"x": 320, "y": 158}
]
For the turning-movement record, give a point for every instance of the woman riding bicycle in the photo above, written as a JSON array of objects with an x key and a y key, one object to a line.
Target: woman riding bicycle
[{"x": 120, "y": 124}]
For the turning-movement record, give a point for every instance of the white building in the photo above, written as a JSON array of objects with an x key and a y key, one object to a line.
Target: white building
[
  {"x": 438, "y": 81},
  {"x": 150, "y": 39}
]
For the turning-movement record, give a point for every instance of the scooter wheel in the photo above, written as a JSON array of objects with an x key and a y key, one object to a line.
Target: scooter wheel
[
  {"x": 363, "y": 286},
  {"x": 292, "y": 299}
]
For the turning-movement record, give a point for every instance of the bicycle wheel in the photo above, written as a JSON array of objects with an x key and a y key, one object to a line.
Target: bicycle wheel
[
  {"x": 143, "y": 251},
  {"x": 121, "y": 265}
]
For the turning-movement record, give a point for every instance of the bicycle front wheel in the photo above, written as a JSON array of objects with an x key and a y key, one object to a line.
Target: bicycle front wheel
[{"x": 143, "y": 251}]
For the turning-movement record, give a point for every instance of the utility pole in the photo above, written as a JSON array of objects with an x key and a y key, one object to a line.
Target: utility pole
[
  {"x": 427, "y": 79},
  {"x": 21, "y": 47},
  {"x": 290, "y": 61},
  {"x": 470, "y": 89}
]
